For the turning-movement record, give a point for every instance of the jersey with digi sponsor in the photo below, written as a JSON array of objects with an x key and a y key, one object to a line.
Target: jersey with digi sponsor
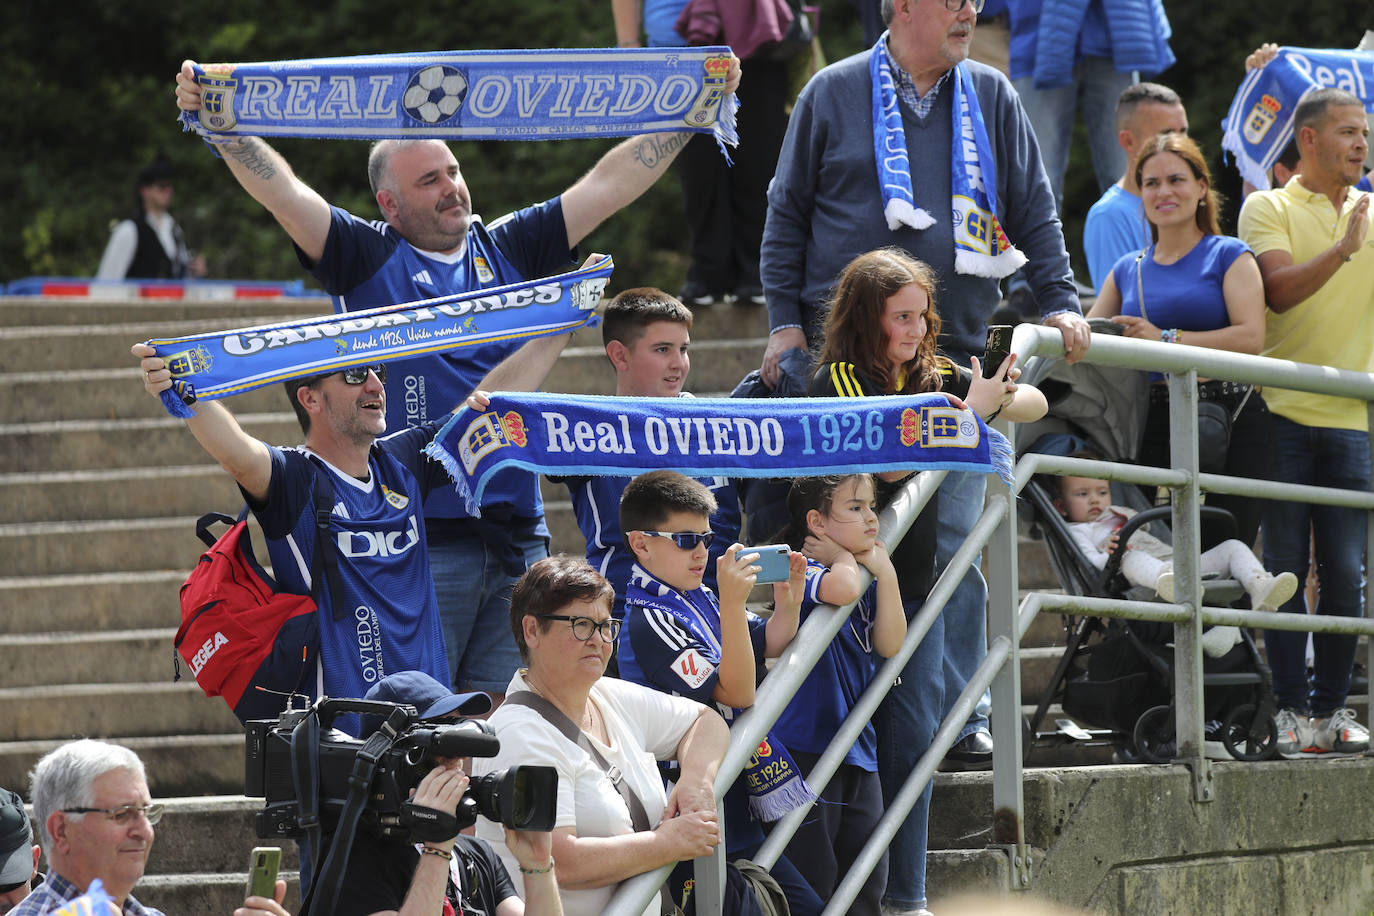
[
  {"x": 366, "y": 264},
  {"x": 390, "y": 618},
  {"x": 671, "y": 642},
  {"x": 837, "y": 682}
]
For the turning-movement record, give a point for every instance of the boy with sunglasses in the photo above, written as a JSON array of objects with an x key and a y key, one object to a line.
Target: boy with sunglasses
[
  {"x": 387, "y": 617},
  {"x": 683, "y": 640}
]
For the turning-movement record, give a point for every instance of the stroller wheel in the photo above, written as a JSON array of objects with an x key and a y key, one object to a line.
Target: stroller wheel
[
  {"x": 1154, "y": 734},
  {"x": 1244, "y": 740}
]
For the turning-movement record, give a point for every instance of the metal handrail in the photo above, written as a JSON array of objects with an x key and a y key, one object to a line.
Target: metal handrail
[{"x": 1008, "y": 621}]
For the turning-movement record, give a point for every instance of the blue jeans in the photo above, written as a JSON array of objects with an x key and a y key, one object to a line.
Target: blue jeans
[
  {"x": 1094, "y": 90},
  {"x": 473, "y": 589},
  {"x": 965, "y": 641},
  {"x": 906, "y": 723},
  {"x": 1322, "y": 457}
]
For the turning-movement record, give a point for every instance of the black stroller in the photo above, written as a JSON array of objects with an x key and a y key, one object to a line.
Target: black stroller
[{"x": 1117, "y": 675}]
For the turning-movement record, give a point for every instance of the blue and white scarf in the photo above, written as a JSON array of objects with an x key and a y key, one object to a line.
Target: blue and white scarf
[
  {"x": 1260, "y": 122},
  {"x": 981, "y": 247},
  {"x": 223, "y": 363},
  {"x": 472, "y": 95},
  {"x": 771, "y": 777},
  {"x": 581, "y": 435}
]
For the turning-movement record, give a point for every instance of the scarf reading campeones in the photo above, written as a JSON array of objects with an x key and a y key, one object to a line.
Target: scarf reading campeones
[
  {"x": 572, "y": 435},
  {"x": 224, "y": 363},
  {"x": 472, "y": 95}
]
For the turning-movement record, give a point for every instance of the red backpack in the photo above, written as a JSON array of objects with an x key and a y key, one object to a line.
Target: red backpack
[{"x": 243, "y": 639}]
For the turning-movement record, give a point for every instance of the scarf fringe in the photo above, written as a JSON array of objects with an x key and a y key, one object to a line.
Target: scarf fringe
[
  {"x": 176, "y": 404},
  {"x": 972, "y": 264},
  {"x": 774, "y": 805},
  {"x": 1001, "y": 456},
  {"x": 726, "y": 130},
  {"x": 455, "y": 470},
  {"x": 901, "y": 213}
]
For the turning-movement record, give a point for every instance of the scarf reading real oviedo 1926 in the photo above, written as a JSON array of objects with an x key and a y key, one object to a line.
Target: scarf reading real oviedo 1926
[
  {"x": 572, "y": 435},
  {"x": 981, "y": 247},
  {"x": 472, "y": 95},
  {"x": 1260, "y": 121},
  {"x": 224, "y": 363}
]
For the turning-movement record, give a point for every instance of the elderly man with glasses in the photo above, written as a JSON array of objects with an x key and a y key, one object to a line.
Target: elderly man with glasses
[
  {"x": 91, "y": 802},
  {"x": 950, "y": 186}
]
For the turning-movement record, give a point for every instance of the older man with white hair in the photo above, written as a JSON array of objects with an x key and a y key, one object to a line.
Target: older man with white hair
[{"x": 96, "y": 817}]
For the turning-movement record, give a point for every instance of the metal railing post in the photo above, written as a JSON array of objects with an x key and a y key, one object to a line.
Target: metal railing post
[{"x": 1188, "y": 702}]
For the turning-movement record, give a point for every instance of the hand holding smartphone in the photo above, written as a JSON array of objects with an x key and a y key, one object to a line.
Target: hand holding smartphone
[{"x": 998, "y": 347}]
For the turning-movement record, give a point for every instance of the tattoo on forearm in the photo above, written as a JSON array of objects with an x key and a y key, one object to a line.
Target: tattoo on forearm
[
  {"x": 250, "y": 156},
  {"x": 654, "y": 149}
]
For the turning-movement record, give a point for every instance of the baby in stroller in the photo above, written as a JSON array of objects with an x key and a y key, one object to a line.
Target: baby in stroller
[{"x": 1094, "y": 523}]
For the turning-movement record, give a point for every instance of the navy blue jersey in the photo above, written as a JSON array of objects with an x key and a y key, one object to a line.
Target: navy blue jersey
[
  {"x": 834, "y": 686},
  {"x": 391, "y": 619},
  {"x": 671, "y": 643},
  {"x": 367, "y": 264},
  {"x": 596, "y": 502}
]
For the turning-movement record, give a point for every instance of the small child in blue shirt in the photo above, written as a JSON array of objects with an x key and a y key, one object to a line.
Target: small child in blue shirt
[{"x": 834, "y": 521}]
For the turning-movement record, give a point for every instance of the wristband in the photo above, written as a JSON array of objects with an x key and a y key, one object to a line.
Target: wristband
[
  {"x": 1344, "y": 257},
  {"x": 783, "y": 327},
  {"x": 429, "y": 850},
  {"x": 1170, "y": 335},
  {"x": 536, "y": 871}
]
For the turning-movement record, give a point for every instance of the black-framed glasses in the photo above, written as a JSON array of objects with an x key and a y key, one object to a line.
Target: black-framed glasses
[
  {"x": 356, "y": 375},
  {"x": 685, "y": 540},
  {"x": 582, "y": 627},
  {"x": 124, "y": 814},
  {"x": 955, "y": 6}
]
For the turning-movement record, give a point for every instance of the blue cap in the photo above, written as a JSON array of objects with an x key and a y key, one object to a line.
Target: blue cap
[{"x": 430, "y": 697}]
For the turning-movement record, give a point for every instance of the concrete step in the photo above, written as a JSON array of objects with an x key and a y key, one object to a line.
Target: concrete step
[
  {"x": 100, "y": 601},
  {"x": 27, "y": 311},
  {"x": 132, "y": 443},
  {"x": 189, "y": 765},
  {"x": 39, "y": 659},
  {"x": 202, "y": 892},
  {"x": 95, "y": 710}
]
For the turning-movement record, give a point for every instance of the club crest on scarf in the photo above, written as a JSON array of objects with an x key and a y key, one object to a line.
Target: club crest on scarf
[
  {"x": 486, "y": 434},
  {"x": 1262, "y": 117}
]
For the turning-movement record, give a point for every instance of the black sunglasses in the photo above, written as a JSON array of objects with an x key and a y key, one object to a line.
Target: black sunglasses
[
  {"x": 685, "y": 540},
  {"x": 356, "y": 375}
]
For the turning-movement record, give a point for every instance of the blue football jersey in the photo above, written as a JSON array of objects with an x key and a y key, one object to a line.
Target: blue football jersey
[
  {"x": 834, "y": 686},
  {"x": 367, "y": 264},
  {"x": 390, "y": 618}
]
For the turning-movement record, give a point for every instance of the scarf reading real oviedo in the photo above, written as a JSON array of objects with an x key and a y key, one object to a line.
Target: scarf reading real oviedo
[
  {"x": 572, "y": 435},
  {"x": 224, "y": 363},
  {"x": 472, "y": 95}
]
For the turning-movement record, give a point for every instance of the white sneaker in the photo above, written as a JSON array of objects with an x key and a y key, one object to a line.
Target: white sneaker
[
  {"x": 1295, "y": 733},
  {"x": 1272, "y": 591},
  {"x": 888, "y": 910},
  {"x": 1340, "y": 733},
  {"x": 1164, "y": 586},
  {"x": 1217, "y": 641}
]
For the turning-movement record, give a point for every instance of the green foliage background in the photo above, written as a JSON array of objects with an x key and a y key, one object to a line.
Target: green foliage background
[{"x": 87, "y": 89}]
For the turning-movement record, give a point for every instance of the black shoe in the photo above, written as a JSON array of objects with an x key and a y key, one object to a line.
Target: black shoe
[{"x": 972, "y": 752}]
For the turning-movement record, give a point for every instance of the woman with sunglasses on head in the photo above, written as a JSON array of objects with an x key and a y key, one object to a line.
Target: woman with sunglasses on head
[
  {"x": 603, "y": 736},
  {"x": 1195, "y": 286}
]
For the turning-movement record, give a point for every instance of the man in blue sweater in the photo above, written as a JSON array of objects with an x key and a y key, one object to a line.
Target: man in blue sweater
[{"x": 824, "y": 208}]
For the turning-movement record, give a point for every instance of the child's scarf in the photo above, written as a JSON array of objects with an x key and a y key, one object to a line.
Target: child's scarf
[
  {"x": 1260, "y": 122},
  {"x": 580, "y": 435},
  {"x": 472, "y": 95},
  {"x": 771, "y": 777},
  {"x": 981, "y": 248},
  {"x": 224, "y": 363}
]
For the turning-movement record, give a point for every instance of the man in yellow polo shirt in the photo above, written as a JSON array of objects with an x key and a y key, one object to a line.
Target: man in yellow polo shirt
[{"x": 1319, "y": 282}]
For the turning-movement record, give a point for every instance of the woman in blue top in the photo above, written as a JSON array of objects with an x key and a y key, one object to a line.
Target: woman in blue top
[{"x": 1194, "y": 286}]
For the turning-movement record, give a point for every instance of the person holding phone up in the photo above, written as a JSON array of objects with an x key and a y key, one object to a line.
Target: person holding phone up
[{"x": 880, "y": 339}]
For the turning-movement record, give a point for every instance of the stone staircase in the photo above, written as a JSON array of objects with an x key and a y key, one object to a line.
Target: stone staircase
[{"x": 99, "y": 491}]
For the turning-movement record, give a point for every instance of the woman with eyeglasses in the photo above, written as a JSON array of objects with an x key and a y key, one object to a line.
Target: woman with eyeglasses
[{"x": 604, "y": 736}]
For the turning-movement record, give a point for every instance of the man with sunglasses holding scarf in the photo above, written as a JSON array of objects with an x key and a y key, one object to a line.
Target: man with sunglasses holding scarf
[{"x": 390, "y": 618}]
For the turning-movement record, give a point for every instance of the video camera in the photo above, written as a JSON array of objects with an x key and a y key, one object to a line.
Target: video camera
[{"x": 404, "y": 749}]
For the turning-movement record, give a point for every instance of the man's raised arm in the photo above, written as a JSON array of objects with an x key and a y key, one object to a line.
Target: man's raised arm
[
  {"x": 245, "y": 458},
  {"x": 623, "y": 174},
  {"x": 265, "y": 175}
]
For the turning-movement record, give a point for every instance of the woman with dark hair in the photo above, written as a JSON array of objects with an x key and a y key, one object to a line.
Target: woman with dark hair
[
  {"x": 1196, "y": 286},
  {"x": 603, "y": 736}
]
